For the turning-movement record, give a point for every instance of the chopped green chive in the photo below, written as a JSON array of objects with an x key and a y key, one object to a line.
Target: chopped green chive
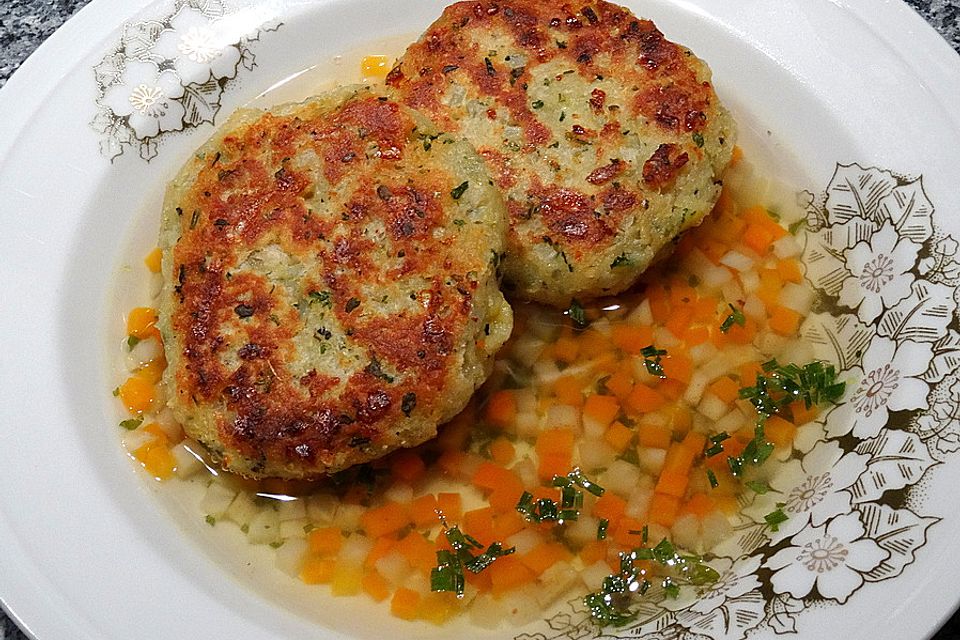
[
  {"x": 578, "y": 315},
  {"x": 712, "y": 477},
  {"x": 602, "y": 529},
  {"x": 736, "y": 317},
  {"x": 651, "y": 360}
]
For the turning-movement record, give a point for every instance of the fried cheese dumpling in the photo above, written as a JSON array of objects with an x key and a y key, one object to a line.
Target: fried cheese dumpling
[
  {"x": 331, "y": 289},
  {"x": 606, "y": 139}
]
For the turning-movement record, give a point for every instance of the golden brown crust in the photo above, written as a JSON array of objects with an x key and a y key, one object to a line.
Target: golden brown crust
[
  {"x": 323, "y": 307},
  {"x": 553, "y": 92}
]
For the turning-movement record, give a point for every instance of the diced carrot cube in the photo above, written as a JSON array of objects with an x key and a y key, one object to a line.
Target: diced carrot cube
[
  {"x": 566, "y": 349},
  {"x": 479, "y": 524},
  {"x": 627, "y": 533},
  {"x": 673, "y": 483},
  {"x": 325, "y": 541},
  {"x": 758, "y": 238},
  {"x": 318, "y": 570},
  {"x": 593, "y": 551},
  {"x": 491, "y": 476},
  {"x": 600, "y": 408},
  {"x": 695, "y": 441},
  {"x": 554, "y": 450},
  {"x": 568, "y": 390},
  {"x": 664, "y": 509},
  {"x": 451, "y": 462},
  {"x": 509, "y": 573},
  {"x": 374, "y": 65},
  {"x": 770, "y": 286},
  {"x": 508, "y": 523},
  {"x": 699, "y": 504},
  {"x": 677, "y": 366},
  {"x": 789, "y": 270},
  {"x": 643, "y": 399},
  {"x": 502, "y": 408},
  {"x": 679, "y": 321},
  {"x": 153, "y": 260},
  {"x": 679, "y": 459},
  {"x": 450, "y": 505},
  {"x": 620, "y": 384},
  {"x": 801, "y": 414},
  {"x": 407, "y": 465},
  {"x": 417, "y": 550},
  {"x": 375, "y": 585},
  {"x": 749, "y": 372},
  {"x": 152, "y": 372},
  {"x": 438, "y": 607},
  {"x": 732, "y": 447},
  {"x": 545, "y": 555},
  {"x": 659, "y": 304},
  {"x": 404, "y": 603},
  {"x": 389, "y": 518},
  {"x": 423, "y": 510},
  {"x": 618, "y": 436},
  {"x": 141, "y": 322},
  {"x": 725, "y": 389},
  {"x": 631, "y": 338},
  {"x": 381, "y": 548},
  {"x": 137, "y": 394},
  {"x": 654, "y": 436},
  {"x": 780, "y": 432},
  {"x": 784, "y": 321},
  {"x": 611, "y": 507},
  {"x": 502, "y": 451},
  {"x": 156, "y": 459}
]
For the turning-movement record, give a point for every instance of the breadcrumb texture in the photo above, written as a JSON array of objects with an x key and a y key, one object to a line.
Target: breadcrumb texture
[
  {"x": 331, "y": 289},
  {"x": 607, "y": 139}
]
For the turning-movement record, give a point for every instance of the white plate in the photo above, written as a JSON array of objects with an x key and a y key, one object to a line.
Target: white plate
[{"x": 89, "y": 552}]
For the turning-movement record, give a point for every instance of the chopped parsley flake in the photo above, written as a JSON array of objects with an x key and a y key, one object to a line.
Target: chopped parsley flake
[
  {"x": 698, "y": 138},
  {"x": 132, "y": 341},
  {"x": 776, "y": 518},
  {"x": 321, "y": 297},
  {"x": 210, "y": 520},
  {"x": 578, "y": 315},
  {"x": 459, "y": 190},
  {"x": 621, "y": 261},
  {"x": 132, "y": 423}
]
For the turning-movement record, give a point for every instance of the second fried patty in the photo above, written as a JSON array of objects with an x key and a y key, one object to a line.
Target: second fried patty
[
  {"x": 606, "y": 139},
  {"x": 330, "y": 284}
]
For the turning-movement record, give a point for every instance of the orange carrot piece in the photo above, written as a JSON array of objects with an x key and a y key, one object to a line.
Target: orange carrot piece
[
  {"x": 699, "y": 504},
  {"x": 801, "y": 414},
  {"x": 375, "y": 585},
  {"x": 654, "y": 436},
  {"x": 404, "y": 603},
  {"x": 673, "y": 483},
  {"x": 450, "y": 505},
  {"x": 789, "y": 270},
  {"x": 568, "y": 390},
  {"x": 325, "y": 541},
  {"x": 141, "y": 322},
  {"x": 611, "y": 507},
  {"x": 423, "y": 511},
  {"x": 508, "y": 523},
  {"x": 502, "y": 408},
  {"x": 631, "y": 338},
  {"x": 479, "y": 524},
  {"x": 153, "y": 260},
  {"x": 677, "y": 366},
  {"x": 725, "y": 389},
  {"x": 780, "y": 432},
  {"x": 593, "y": 551},
  {"x": 618, "y": 436},
  {"x": 137, "y": 394},
  {"x": 602, "y": 409},
  {"x": 679, "y": 459},
  {"x": 627, "y": 532},
  {"x": 407, "y": 465},
  {"x": 737, "y": 155},
  {"x": 643, "y": 399},
  {"x": 318, "y": 570},
  {"x": 417, "y": 550},
  {"x": 620, "y": 384},
  {"x": 554, "y": 450},
  {"x": 509, "y": 573},
  {"x": 784, "y": 321},
  {"x": 545, "y": 555},
  {"x": 381, "y": 547},
  {"x": 664, "y": 509},
  {"x": 566, "y": 349},
  {"x": 389, "y": 518},
  {"x": 502, "y": 451}
]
